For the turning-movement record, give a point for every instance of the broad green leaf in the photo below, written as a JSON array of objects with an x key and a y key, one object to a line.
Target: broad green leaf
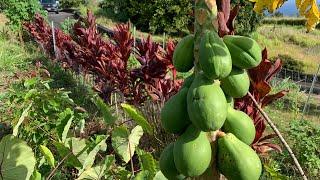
[
  {"x": 105, "y": 110},
  {"x": 48, "y": 155},
  {"x": 17, "y": 160},
  {"x": 35, "y": 176},
  {"x": 79, "y": 148},
  {"x": 93, "y": 173},
  {"x": 92, "y": 156},
  {"x": 147, "y": 162},
  {"x": 159, "y": 176},
  {"x": 125, "y": 143},
  {"x": 97, "y": 172},
  {"x": 137, "y": 117},
  {"x": 64, "y": 151},
  {"x": 30, "y": 82},
  {"x": 21, "y": 119},
  {"x": 65, "y": 120}
]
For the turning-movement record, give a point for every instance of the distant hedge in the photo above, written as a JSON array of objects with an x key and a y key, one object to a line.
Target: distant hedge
[{"x": 287, "y": 21}]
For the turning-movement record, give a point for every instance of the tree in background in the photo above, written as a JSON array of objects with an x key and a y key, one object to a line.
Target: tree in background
[
  {"x": 171, "y": 16},
  {"x": 71, "y": 3}
]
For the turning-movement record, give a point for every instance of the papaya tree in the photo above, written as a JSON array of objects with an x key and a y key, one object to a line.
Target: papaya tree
[{"x": 213, "y": 137}]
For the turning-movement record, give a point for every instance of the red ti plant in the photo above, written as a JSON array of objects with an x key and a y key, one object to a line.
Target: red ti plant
[{"x": 260, "y": 89}]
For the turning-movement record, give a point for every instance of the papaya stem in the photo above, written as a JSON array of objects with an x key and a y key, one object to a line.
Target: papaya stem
[{"x": 275, "y": 129}]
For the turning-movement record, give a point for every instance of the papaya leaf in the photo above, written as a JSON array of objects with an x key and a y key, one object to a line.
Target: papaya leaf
[
  {"x": 125, "y": 143},
  {"x": 48, "y": 155},
  {"x": 137, "y": 117},
  {"x": 65, "y": 120},
  {"x": 25, "y": 113},
  {"x": 89, "y": 161},
  {"x": 17, "y": 160},
  {"x": 147, "y": 162},
  {"x": 105, "y": 110}
]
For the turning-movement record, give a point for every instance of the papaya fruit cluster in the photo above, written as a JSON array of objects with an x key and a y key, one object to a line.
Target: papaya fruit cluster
[{"x": 205, "y": 104}]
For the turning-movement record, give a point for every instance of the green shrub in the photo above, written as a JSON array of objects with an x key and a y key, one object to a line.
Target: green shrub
[
  {"x": 70, "y": 3},
  {"x": 18, "y": 11},
  {"x": 247, "y": 20},
  {"x": 293, "y": 100},
  {"x": 291, "y": 63},
  {"x": 171, "y": 16},
  {"x": 304, "y": 138}
]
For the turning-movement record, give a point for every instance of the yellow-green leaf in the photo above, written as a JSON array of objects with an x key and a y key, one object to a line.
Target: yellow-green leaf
[{"x": 47, "y": 155}]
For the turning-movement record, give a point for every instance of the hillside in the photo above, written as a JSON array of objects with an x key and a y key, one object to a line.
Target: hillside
[{"x": 291, "y": 42}]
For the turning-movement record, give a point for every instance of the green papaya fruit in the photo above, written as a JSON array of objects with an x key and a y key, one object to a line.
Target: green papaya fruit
[
  {"x": 241, "y": 125},
  {"x": 174, "y": 114},
  {"x": 230, "y": 100},
  {"x": 237, "y": 160},
  {"x": 192, "y": 152},
  {"x": 214, "y": 59},
  {"x": 188, "y": 81},
  {"x": 167, "y": 165},
  {"x": 207, "y": 104},
  {"x": 245, "y": 51},
  {"x": 183, "y": 54},
  {"x": 237, "y": 84}
]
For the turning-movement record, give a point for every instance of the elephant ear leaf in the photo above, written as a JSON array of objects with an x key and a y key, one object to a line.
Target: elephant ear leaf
[
  {"x": 16, "y": 158},
  {"x": 48, "y": 155}
]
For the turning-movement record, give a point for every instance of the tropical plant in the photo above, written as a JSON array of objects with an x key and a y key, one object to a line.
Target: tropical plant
[
  {"x": 19, "y": 11},
  {"x": 88, "y": 52}
]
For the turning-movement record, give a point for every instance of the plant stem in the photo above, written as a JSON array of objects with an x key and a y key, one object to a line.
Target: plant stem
[
  {"x": 205, "y": 20},
  {"x": 56, "y": 168},
  {"x": 275, "y": 129}
]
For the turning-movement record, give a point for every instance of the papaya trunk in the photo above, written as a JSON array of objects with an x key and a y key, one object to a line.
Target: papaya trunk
[{"x": 205, "y": 19}]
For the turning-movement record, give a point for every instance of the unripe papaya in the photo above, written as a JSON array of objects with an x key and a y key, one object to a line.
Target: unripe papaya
[
  {"x": 215, "y": 59},
  {"x": 183, "y": 54},
  {"x": 192, "y": 152},
  {"x": 237, "y": 84},
  {"x": 245, "y": 51},
  {"x": 207, "y": 104},
  {"x": 174, "y": 114},
  {"x": 241, "y": 125},
  {"x": 230, "y": 100},
  {"x": 188, "y": 81},
  {"x": 237, "y": 160},
  {"x": 167, "y": 165}
]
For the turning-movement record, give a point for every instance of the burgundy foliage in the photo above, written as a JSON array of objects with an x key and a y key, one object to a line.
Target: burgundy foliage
[
  {"x": 260, "y": 89},
  {"x": 86, "y": 51},
  {"x": 226, "y": 17}
]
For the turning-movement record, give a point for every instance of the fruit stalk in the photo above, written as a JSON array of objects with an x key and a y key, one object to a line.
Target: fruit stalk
[{"x": 205, "y": 19}]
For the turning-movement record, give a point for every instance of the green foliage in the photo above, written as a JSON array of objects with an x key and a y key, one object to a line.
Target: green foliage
[
  {"x": 70, "y": 3},
  {"x": 156, "y": 16},
  {"x": 18, "y": 11},
  {"x": 17, "y": 159},
  {"x": 67, "y": 25},
  {"x": 247, "y": 20},
  {"x": 293, "y": 100},
  {"x": 137, "y": 117},
  {"x": 305, "y": 137},
  {"x": 291, "y": 63}
]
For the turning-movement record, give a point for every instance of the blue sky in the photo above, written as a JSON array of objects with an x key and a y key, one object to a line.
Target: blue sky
[{"x": 289, "y": 8}]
